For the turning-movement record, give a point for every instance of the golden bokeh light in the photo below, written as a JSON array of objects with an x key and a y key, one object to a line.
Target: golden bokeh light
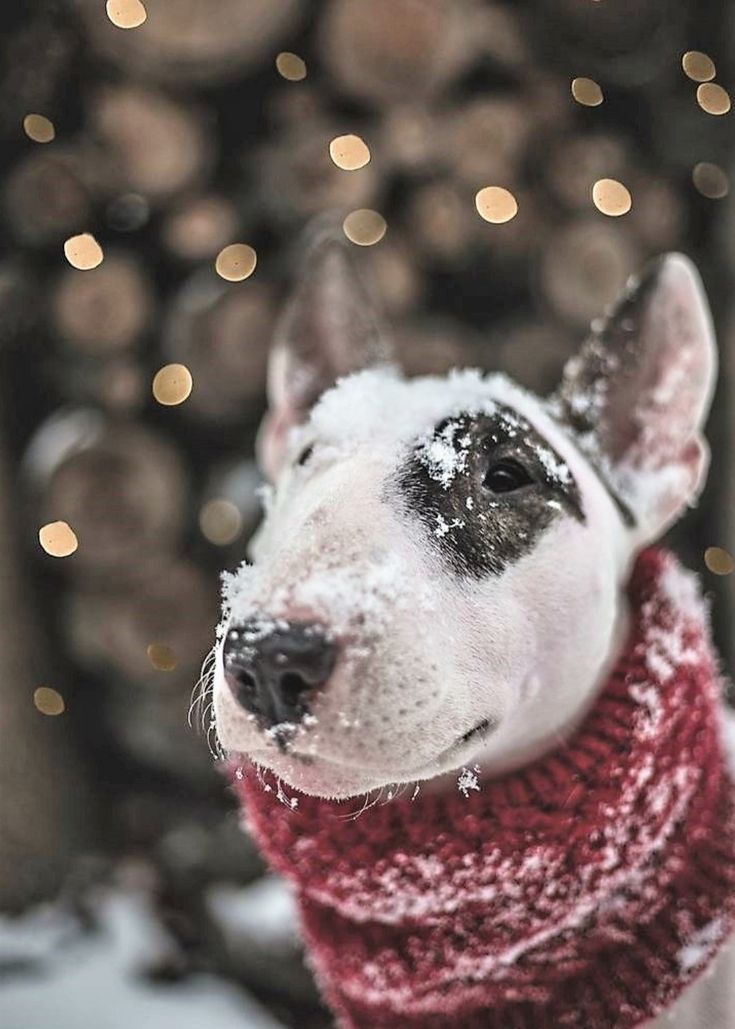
[
  {"x": 161, "y": 657},
  {"x": 48, "y": 701},
  {"x": 719, "y": 561},
  {"x": 126, "y": 14},
  {"x": 172, "y": 384},
  {"x": 587, "y": 92},
  {"x": 236, "y": 262},
  {"x": 496, "y": 204},
  {"x": 713, "y": 99},
  {"x": 83, "y": 252},
  {"x": 364, "y": 227},
  {"x": 349, "y": 153},
  {"x": 291, "y": 66},
  {"x": 39, "y": 128},
  {"x": 711, "y": 180},
  {"x": 58, "y": 539},
  {"x": 611, "y": 197},
  {"x": 220, "y": 521},
  {"x": 698, "y": 66}
]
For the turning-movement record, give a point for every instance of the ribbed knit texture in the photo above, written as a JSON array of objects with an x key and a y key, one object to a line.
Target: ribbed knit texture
[{"x": 587, "y": 889}]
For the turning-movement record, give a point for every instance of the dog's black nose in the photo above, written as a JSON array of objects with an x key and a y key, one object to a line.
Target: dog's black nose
[{"x": 274, "y": 670}]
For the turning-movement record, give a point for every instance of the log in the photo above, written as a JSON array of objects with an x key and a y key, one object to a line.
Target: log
[
  {"x": 485, "y": 138},
  {"x": 391, "y": 51},
  {"x": 431, "y": 346},
  {"x": 533, "y": 353},
  {"x": 124, "y": 120},
  {"x": 297, "y": 178},
  {"x": 117, "y": 384},
  {"x": 121, "y": 487},
  {"x": 502, "y": 36},
  {"x": 447, "y": 229},
  {"x": 18, "y": 303},
  {"x": 616, "y": 26},
  {"x": 287, "y": 106},
  {"x": 629, "y": 42},
  {"x": 409, "y": 138},
  {"x": 44, "y": 806},
  {"x": 584, "y": 266},
  {"x": 440, "y": 220},
  {"x": 576, "y": 162},
  {"x": 187, "y": 42},
  {"x": 174, "y": 605},
  {"x": 118, "y": 630},
  {"x": 46, "y": 197},
  {"x": 28, "y": 84},
  {"x": 520, "y": 238},
  {"x": 128, "y": 212},
  {"x": 657, "y": 218},
  {"x": 681, "y": 134},
  {"x": 111, "y": 627},
  {"x": 105, "y": 310},
  {"x": 200, "y": 226},
  {"x": 222, "y": 333},
  {"x": 393, "y": 268}
]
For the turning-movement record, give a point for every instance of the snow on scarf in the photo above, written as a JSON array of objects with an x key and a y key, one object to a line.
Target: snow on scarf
[{"x": 586, "y": 889}]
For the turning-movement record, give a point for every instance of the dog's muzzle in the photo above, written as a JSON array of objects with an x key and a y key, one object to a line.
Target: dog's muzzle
[{"x": 274, "y": 670}]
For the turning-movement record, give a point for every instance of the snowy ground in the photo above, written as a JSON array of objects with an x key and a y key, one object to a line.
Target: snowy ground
[{"x": 55, "y": 975}]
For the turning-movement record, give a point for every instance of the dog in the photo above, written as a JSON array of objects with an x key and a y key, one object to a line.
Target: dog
[{"x": 438, "y": 588}]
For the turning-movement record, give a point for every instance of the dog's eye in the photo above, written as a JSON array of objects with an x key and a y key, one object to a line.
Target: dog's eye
[
  {"x": 505, "y": 476},
  {"x": 305, "y": 454}
]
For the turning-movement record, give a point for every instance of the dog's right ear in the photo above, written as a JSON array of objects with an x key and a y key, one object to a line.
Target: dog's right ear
[
  {"x": 638, "y": 393},
  {"x": 328, "y": 329}
]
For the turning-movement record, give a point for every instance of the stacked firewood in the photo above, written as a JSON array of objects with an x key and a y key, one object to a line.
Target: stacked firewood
[{"x": 186, "y": 133}]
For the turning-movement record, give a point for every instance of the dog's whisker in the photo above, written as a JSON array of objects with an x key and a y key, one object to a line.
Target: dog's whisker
[
  {"x": 203, "y": 687},
  {"x": 214, "y": 745},
  {"x": 395, "y": 792},
  {"x": 366, "y": 805},
  {"x": 207, "y": 711},
  {"x": 370, "y": 803}
]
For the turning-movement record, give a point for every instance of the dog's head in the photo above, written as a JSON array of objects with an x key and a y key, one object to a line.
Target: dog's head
[{"x": 439, "y": 576}]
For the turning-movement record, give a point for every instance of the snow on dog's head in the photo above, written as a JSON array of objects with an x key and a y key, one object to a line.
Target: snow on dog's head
[{"x": 438, "y": 578}]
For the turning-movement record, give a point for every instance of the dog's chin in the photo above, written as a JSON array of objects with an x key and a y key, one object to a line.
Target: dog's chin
[
  {"x": 328, "y": 778},
  {"x": 325, "y": 778}
]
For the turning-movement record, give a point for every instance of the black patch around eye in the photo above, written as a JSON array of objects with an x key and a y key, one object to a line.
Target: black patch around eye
[
  {"x": 505, "y": 476},
  {"x": 485, "y": 487}
]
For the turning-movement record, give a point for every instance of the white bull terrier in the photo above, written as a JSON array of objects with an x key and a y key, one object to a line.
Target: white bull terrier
[{"x": 440, "y": 580}]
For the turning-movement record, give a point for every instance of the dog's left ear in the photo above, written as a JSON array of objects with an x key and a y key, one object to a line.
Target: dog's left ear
[
  {"x": 638, "y": 393},
  {"x": 329, "y": 329}
]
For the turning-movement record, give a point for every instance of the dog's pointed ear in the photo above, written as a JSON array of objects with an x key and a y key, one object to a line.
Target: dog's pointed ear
[
  {"x": 638, "y": 393},
  {"x": 329, "y": 329}
]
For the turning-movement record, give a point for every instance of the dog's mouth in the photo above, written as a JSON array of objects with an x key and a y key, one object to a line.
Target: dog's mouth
[
  {"x": 285, "y": 744},
  {"x": 483, "y": 728},
  {"x": 283, "y": 736},
  {"x": 478, "y": 734}
]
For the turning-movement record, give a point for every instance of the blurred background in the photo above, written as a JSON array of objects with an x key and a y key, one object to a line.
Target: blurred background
[{"x": 129, "y": 891}]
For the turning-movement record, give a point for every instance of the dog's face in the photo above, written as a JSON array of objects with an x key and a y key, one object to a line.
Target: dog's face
[{"x": 438, "y": 578}]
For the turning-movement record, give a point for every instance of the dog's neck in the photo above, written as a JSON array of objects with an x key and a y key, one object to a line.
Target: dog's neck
[{"x": 588, "y": 888}]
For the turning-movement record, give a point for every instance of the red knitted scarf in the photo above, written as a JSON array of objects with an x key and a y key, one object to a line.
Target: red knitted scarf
[{"x": 587, "y": 889}]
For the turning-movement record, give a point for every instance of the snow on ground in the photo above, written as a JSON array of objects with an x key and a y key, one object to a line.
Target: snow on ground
[
  {"x": 55, "y": 976},
  {"x": 264, "y": 911}
]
